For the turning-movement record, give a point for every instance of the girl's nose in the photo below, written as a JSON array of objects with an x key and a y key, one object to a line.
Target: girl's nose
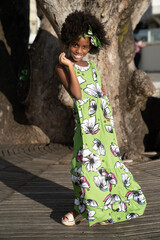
[{"x": 79, "y": 50}]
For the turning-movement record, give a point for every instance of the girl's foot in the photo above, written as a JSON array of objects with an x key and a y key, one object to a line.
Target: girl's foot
[
  {"x": 74, "y": 213},
  {"x": 103, "y": 223},
  {"x": 72, "y": 218}
]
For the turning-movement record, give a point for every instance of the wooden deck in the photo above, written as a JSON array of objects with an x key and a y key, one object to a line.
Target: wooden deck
[{"x": 36, "y": 190}]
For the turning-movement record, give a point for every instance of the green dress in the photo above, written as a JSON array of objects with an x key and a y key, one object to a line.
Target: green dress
[{"x": 105, "y": 189}]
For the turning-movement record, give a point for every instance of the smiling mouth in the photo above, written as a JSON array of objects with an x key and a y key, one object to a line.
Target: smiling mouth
[{"x": 77, "y": 56}]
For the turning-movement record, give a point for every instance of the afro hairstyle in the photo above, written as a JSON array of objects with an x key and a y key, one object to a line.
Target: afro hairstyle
[{"x": 77, "y": 23}]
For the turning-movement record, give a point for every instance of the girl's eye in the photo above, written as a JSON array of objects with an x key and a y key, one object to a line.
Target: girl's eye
[
  {"x": 75, "y": 45},
  {"x": 85, "y": 47}
]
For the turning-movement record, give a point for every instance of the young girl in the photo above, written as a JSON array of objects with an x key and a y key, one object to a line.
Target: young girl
[{"x": 105, "y": 190}]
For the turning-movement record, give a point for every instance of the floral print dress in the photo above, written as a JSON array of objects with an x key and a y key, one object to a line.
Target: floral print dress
[{"x": 105, "y": 189}]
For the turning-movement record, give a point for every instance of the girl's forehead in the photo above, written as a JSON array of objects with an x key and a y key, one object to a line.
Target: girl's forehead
[{"x": 82, "y": 41}]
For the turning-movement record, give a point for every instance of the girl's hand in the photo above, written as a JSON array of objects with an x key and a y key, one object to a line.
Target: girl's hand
[{"x": 63, "y": 60}]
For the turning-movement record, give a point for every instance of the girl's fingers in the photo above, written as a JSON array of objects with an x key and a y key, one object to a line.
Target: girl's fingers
[
  {"x": 62, "y": 54},
  {"x": 62, "y": 57},
  {"x": 63, "y": 60}
]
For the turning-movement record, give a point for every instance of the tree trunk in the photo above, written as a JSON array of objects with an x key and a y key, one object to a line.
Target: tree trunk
[{"x": 126, "y": 87}]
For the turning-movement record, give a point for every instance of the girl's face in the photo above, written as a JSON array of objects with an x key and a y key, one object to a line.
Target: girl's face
[{"x": 78, "y": 48}]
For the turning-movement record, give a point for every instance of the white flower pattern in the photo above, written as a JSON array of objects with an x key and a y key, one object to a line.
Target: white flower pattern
[
  {"x": 92, "y": 107},
  {"x": 83, "y": 101},
  {"x": 90, "y": 202},
  {"x": 137, "y": 196},
  {"x": 94, "y": 74},
  {"x": 105, "y": 180},
  {"x": 91, "y": 215},
  {"x": 94, "y": 90},
  {"x": 80, "y": 205},
  {"x": 132, "y": 216},
  {"x": 115, "y": 150},
  {"x": 120, "y": 164},
  {"x": 90, "y": 125},
  {"x": 110, "y": 199},
  {"x": 92, "y": 161},
  {"x": 105, "y": 109},
  {"x": 80, "y": 113},
  {"x": 125, "y": 179},
  {"x": 99, "y": 146},
  {"x": 81, "y": 80},
  {"x": 109, "y": 128}
]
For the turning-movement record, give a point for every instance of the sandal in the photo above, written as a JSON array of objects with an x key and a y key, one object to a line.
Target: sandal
[
  {"x": 71, "y": 220},
  {"x": 103, "y": 223}
]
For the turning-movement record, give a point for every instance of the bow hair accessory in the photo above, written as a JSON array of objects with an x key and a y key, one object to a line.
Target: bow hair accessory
[{"x": 94, "y": 39}]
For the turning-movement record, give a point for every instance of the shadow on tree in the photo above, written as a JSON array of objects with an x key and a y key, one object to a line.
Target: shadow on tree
[
  {"x": 8, "y": 81},
  {"x": 151, "y": 116}
]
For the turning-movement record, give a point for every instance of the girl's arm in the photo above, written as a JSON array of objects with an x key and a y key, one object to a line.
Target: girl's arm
[{"x": 69, "y": 80}]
